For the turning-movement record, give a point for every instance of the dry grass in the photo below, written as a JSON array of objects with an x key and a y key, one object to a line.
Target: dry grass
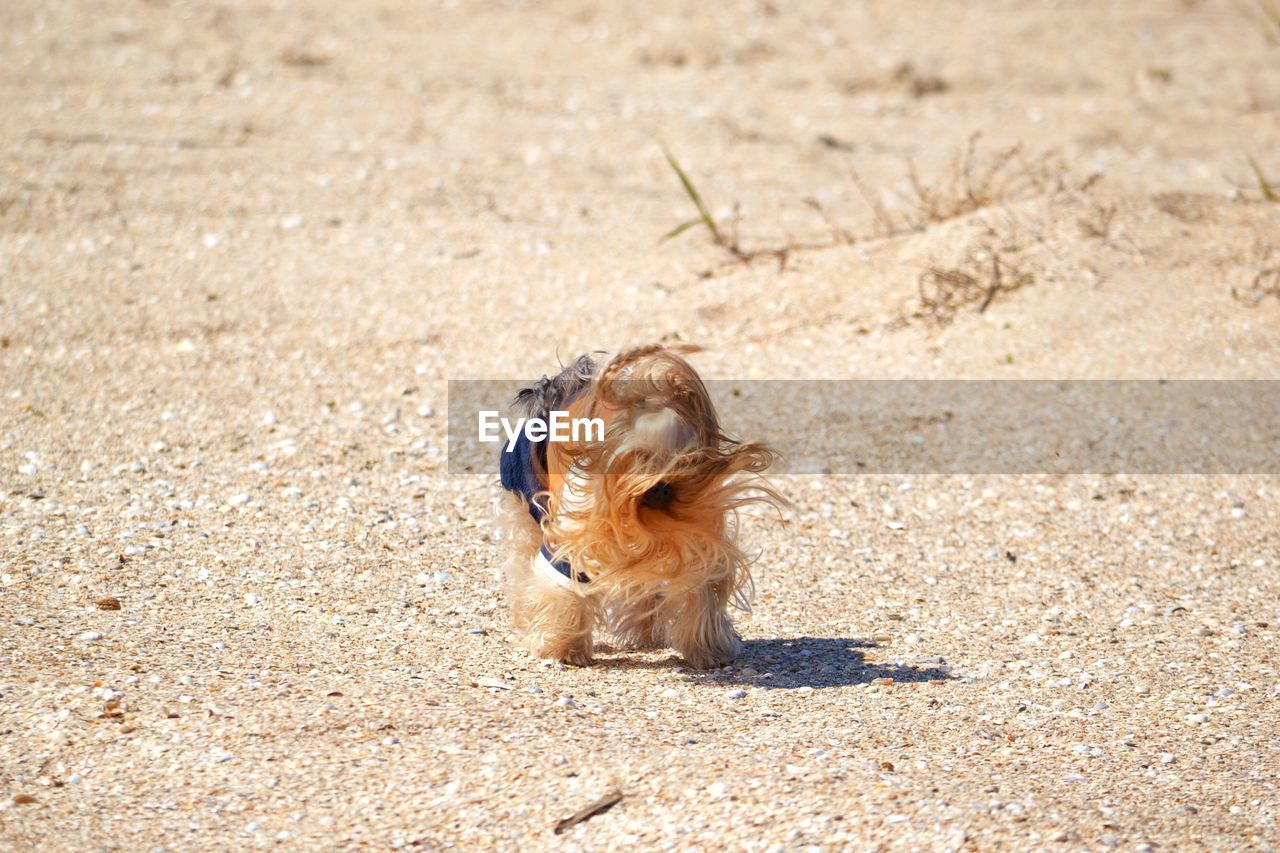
[
  {"x": 976, "y": 179},
  {"x": 1264, "y": 185},
  {"x": 728, "y": 239},
  {"x": 1271, "y": 14},
  {"x": 1257, "y": 182},
  {"x": 1098, "y": 223},
  {"x": 1266, "y": 282},
  {"x": 983, "y": 274}
]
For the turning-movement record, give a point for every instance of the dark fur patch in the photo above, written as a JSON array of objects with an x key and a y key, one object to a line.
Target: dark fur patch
[
  {"x": 660, "y": 496},
  {"x": 551, "y": 392}
]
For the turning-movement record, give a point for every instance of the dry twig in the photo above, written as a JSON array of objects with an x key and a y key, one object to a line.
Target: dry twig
[{"x": 599, "y": 807}]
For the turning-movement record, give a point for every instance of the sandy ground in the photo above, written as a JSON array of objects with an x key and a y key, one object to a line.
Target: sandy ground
[{"x": 243, "y": 245}]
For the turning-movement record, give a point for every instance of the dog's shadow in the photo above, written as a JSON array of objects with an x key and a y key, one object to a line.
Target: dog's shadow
[
  {"x": 791, "y": 663},
  {"x": 818, "y": 663}
]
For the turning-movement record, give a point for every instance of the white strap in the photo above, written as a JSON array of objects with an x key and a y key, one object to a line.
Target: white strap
[{"x": 542, "y": 566}]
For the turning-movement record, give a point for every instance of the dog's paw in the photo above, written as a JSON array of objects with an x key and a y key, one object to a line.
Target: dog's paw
[
  {"x": 578, "y": 657},
  {"x": 713, "y": 657},
  {"x": 574, "y": 652}
]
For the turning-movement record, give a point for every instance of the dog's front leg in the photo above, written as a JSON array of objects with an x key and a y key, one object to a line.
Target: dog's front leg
[
  {"x": 564, "y": 627},
  {"x": 553, "y": 622},
  {"x": 701, "y": 631},
  {"x": 637, "y": 625}
]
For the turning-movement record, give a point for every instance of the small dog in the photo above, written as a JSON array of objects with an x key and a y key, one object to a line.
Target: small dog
[{"x": 633, "y": 530}]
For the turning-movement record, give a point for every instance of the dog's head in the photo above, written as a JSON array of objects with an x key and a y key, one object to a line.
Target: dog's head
[{"x": 656, "y": 498}]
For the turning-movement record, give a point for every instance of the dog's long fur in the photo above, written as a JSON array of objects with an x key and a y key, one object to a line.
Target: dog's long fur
[{"x": 663, "y": 570}]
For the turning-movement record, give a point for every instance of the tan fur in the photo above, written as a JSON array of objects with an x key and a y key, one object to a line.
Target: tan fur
[
  {"x": 551, "y": 622},
  {"x": 658, "y": 576}
]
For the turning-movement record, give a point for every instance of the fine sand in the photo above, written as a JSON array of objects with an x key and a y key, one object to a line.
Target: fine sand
[{"x": 244, "y": 245}]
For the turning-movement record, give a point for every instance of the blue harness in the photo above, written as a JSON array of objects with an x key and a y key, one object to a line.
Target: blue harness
[{"x": 519, "y": 475}]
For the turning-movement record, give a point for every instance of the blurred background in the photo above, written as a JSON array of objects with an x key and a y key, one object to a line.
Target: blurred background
[{"x": 473, "y": 186}]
